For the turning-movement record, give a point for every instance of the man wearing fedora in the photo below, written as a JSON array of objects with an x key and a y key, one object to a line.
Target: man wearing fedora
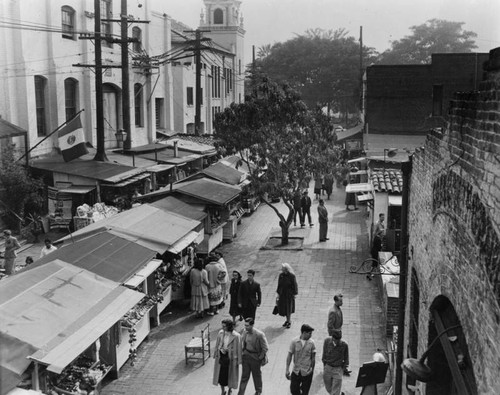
[{"x": 11, "y": 245}]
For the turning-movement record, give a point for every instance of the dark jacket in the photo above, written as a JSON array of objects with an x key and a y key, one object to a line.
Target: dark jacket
[
  {"x": 249, "y": 295},
  {"x": 305, "y": 202}
]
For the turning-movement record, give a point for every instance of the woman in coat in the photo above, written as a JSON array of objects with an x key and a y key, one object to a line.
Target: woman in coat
[
  {"x": 227, "y": 356},
  {"x": 234, "y": 310},
  {"x": 199, "y": 288},
  {"x": 287, "y": 290},
  {"x": 214, "y": 288}
]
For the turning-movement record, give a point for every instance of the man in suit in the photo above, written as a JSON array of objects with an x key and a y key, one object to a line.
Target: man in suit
[{"x": 249, "y": 296}]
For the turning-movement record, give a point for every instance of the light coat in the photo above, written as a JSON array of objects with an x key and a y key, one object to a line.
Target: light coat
[{"x": 234, "y": 353}]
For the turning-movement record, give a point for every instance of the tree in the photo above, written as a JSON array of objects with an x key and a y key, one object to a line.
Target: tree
[
  {"x": 323, "y": 65},
  {"x": 22, "y": 194},
  {"x": 434, "y": 36},
  {"x": 281, "y": 139}
]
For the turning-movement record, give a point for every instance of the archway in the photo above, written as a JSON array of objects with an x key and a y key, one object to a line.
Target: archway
[{"x": 448, "y": 358}]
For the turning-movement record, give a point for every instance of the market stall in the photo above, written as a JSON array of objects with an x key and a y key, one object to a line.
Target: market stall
[{"x": 65, "y": 339}]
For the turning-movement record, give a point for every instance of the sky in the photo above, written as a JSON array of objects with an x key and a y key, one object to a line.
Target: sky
[{"x": 270, "y": 21}]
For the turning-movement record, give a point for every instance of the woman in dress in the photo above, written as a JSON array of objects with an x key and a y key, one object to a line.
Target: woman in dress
[
  {"x": 227, "y": 356},
  {"x": 287, "y": 290},
  {"x": 199, "y": 288},
  {"x": 234, "y": 310},
  {"x": 214, "y": 288},
  {"x": 318, "y": 186}
]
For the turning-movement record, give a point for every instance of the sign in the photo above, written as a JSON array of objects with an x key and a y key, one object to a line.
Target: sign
[{"x": 354, "y": 145}]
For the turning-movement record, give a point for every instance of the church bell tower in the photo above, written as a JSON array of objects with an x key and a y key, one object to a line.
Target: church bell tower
[{"x": 224, "y": 20}]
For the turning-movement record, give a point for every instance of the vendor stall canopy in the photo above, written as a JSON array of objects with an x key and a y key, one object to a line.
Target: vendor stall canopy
[
  {"x": 103, "y": 253},
  {"x": 64, "y": 310},
  {"x": 147, "y": 226}
]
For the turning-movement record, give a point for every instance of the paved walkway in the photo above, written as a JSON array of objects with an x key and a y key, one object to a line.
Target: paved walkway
[{"x": 322, "y": 270}]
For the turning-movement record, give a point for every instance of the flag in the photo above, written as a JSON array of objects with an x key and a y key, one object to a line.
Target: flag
[{"x": 72, "y": 140}]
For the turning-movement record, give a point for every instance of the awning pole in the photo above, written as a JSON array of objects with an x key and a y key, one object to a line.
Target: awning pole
[{"x": 36, "y": 378}]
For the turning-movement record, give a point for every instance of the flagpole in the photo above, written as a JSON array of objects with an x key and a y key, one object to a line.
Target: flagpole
[{"x": 46, "y": 137}]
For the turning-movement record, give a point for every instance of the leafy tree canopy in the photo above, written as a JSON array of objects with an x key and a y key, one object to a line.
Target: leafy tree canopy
[
  {"x": 22, "y": 193},
  {"x": 276, "y": 134},
  {"x": 434, "y": 36},
  {"x": 323, "y": 65}
]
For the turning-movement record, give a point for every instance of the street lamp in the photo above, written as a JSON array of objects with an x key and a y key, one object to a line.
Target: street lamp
[{"x": 416, "y": 368}]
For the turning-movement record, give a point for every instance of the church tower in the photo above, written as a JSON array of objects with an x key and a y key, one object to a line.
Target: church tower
[{"x": 224, "y": 20}]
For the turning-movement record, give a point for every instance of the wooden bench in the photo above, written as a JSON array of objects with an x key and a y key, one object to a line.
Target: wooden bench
[{"x": 199, "y": 346}]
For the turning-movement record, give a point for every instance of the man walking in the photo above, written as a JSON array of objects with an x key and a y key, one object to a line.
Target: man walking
[
  {"x": 335, "y": 359},
  {"x": 323, "y": 221},
  {"x": 249, "y": 296},
  {"x": 305, "y": 204},
  {"x": 254, "y": 356},
  {"x": 303, "y": 351},
  {"x": 335, "y": 322},
  {"x": 11, "y": 245}
]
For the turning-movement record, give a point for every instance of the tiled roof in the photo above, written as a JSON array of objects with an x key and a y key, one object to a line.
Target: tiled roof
[{"x": 388, "y": 181}]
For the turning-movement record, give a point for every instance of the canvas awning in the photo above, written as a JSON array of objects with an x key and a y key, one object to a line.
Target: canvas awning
[
  {"x": 70, "y": 343},
  {"x": 185, "y": 241},
  {"x": 104, "y": 253},
  {"x": 76, "y": 189},
  {"x": 361, "y": 159},
  {"x": 145, "y": 225},
  {"x": 142, "y": 274},
  {"x": 64, "y": 310}
]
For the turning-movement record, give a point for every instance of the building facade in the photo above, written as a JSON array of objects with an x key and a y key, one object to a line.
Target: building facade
[
  {"x": 412, "y": 99},
  {"x": 452, "y": 305},
  {"x": 47, "y": 58}
]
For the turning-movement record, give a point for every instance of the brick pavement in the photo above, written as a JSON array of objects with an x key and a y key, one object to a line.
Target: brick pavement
[{"x": 322, "y": 269}]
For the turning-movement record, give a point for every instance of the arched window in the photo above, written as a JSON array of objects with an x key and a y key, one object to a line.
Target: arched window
[
  {"x": 41, "y": 105},
  {"x": 68, "y": 22},
  {"x": 138, "y": 104},
  {"x": 70, "y": 97},
  {"x": 137, "y": 36},
  {"x": 218, "y": 17}
]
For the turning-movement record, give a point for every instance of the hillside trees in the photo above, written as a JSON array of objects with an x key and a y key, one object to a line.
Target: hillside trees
[
  {"x": 281, "y": 139},
  {"x": 433, "y": 36}
]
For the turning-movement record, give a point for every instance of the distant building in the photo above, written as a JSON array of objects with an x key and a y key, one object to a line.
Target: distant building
[{"x": 413, "y": 99}]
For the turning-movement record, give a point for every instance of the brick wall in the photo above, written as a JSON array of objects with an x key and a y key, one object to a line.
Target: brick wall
[{"x": 454, "y": 223}]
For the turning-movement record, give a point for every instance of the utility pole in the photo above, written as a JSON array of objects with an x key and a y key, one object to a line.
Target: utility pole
[
  {"x": 100, "y": 154},
  {"x": 197, "y": 48},
  {"x": 361, "y": 68},
  {"x": 99, "y": 68},
  {"x": 127, "y": 144},
  {"x": 197, "y": 56}
]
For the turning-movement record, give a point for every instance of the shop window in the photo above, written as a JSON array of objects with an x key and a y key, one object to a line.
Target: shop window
[
  {"x": 137, "y": 36},
  {"x": 138, "y": 106},
  {"x": 68, "y": 22},
  {"x": 218, "y": 17},
  {"x": 71, "y": 97},
  {"x": 41, "y": 105}
]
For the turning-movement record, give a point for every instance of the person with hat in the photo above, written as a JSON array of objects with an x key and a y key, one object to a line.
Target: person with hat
[
  {"x": 335, "y": 359},
  {"x": 336, "y": 320},
  {"x": 11, "y": 245},
  {"x": 303, "y": 351}
]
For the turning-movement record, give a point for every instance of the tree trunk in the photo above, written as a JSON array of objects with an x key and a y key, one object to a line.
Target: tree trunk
[{"x": 284, "y": 233}]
